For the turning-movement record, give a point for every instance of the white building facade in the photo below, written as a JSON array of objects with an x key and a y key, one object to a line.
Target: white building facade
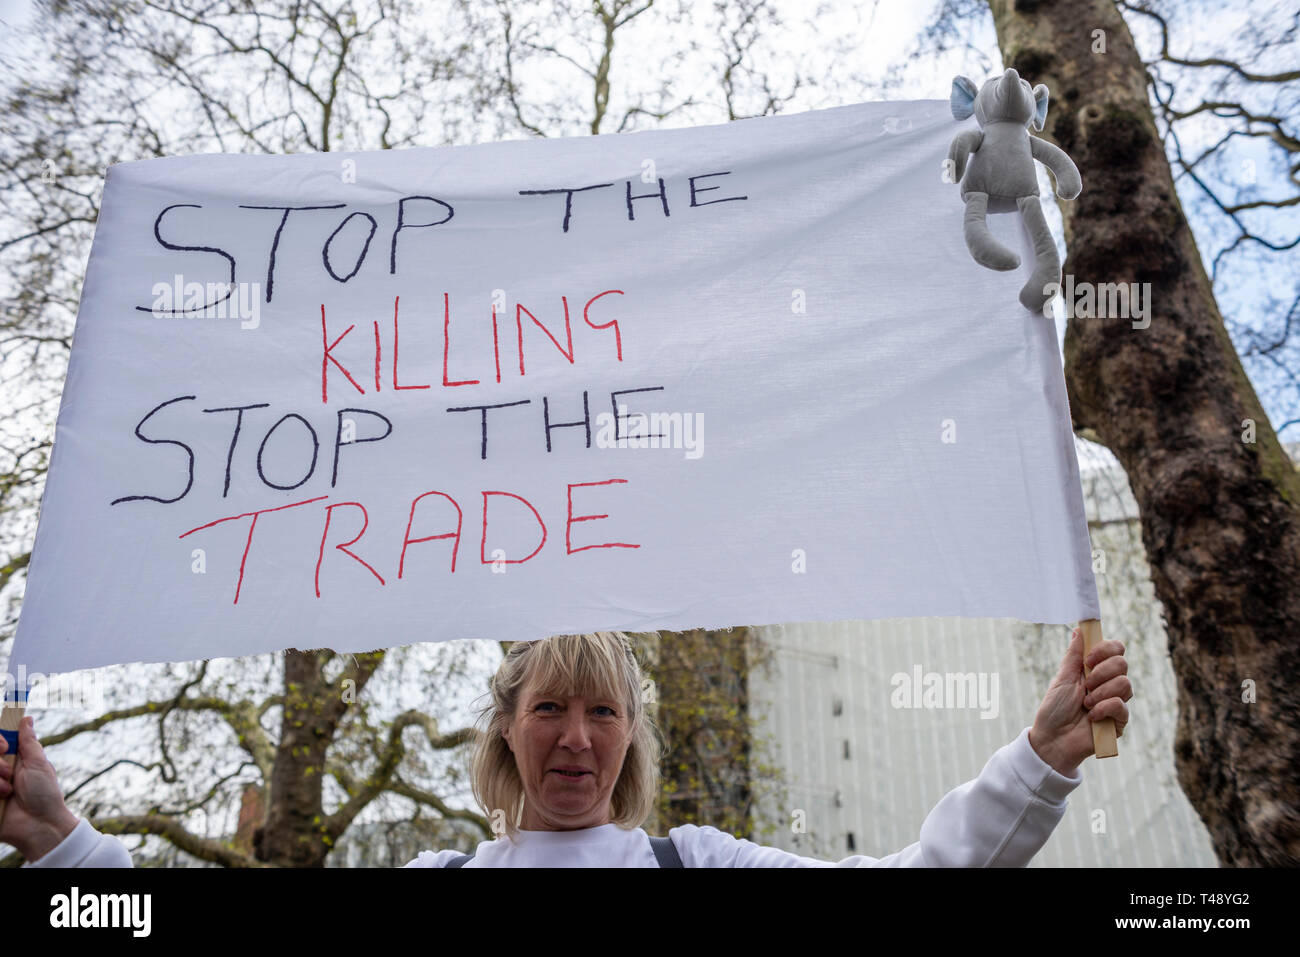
[{"x": 866, "y": 754}]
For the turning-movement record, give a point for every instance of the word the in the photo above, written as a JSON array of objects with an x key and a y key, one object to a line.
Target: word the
[{"x": 628, "y": 198}]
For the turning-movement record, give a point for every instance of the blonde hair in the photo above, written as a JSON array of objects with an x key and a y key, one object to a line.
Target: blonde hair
[{"x": 598, "y": 664}]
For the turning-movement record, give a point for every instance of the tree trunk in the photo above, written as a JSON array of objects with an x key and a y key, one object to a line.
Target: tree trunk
[
  {"x": 702, "y": 699},
  {"x": 252, "y": 815},
  {"x": 1218, "y": 511},
  {"x": 295, "y": 835}
]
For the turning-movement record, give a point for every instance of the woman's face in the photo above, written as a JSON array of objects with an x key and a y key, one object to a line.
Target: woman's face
[{"x": 552, "y": 734}]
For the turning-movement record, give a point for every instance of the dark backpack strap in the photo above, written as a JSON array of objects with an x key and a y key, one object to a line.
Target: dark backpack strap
[
  {"x": 665, "y": 852},
  {"x": 459, "y": 861}
]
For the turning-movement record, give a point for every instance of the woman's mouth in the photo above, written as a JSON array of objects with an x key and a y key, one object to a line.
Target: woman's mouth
[{"x": 570, "y": 774}]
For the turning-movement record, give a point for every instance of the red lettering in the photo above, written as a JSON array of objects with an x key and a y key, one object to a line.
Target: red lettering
[
  {"x": 365, "y": 517},
  {"x": 446, "y": 343},
  {"x": 251, "y": 526},
  {"x": 408, "y": 540},
  {"x": 327, "y": 359},
  {"x": 482, "y": 551},
  {"x": 618, "y": 337},
  {"x": 496, "y": 349},
  {"x": 588, "y": 518},
  {"x": 395, "y": 385},
  {"x": 520, "y": 311}
]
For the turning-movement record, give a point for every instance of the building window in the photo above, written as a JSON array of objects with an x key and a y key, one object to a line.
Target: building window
[
  {"x": 837, "y": 706},
  {"x": 846, "y": 749},
  {"x": 852, "y": 845}
]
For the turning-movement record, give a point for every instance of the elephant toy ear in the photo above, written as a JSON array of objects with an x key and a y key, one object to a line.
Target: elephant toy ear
[
  {"x": 962, "y": 98},
  {"x": 1040, "y": 106}
]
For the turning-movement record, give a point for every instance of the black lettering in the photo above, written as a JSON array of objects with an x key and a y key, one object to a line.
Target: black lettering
[
  {"x": 315, "y": 448},
  {"x": 325, "y": 250},
  {"x": 403, "y": 224},
  {"x": 483, "y": 409},
  {"x": 193, "y": 249},
  {"x": 568, "y": 197},
  {"x": 546, "y": 420},
  {"x": 706, "y": 189},
  {"x": 239, "y": 420},
  {"x": 338, "y": 437},
  {"x": 275, "y": 243},
  {"x": 613, "y": 400},
  {"x": 188, "y": 451},
  {"x": 662, "y": 194}
]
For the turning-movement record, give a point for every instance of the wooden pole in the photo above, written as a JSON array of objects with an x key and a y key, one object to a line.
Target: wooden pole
[
  {"x": 10, "y": 718},
  {"x": 1104, "y": 740}
]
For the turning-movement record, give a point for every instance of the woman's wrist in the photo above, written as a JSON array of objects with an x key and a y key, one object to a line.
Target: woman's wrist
[
  {"x": 1058, "y": 762},
  {"x": 47, "y": 835}
]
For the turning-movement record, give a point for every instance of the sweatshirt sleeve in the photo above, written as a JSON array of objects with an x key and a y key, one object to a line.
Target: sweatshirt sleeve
[
  {"x": 1000, "y": 819},
  {"x": 86, "y": 847}
]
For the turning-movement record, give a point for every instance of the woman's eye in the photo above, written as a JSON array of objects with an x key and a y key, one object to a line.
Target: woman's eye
[
  {"x": 604, "y": 707},
  {"x": 546, "y": 704}
]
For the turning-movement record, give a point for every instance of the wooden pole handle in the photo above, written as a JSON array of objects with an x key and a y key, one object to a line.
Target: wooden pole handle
[
  {"x": 10, "y": 718},
  {"x": 1105, "y": 742}
]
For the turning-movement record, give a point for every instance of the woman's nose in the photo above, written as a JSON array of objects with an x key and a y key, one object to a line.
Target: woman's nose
[{"x": 576, "y": 734}]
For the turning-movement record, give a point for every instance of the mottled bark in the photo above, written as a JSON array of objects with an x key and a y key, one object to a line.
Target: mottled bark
[
  {"x": 702, "y": 700},
  {"x": 252, "y": 812},
  {"x": 297, "y": 832},
  {"x": 292, "y": 836},
  {"x": 1219, "y": 514}
]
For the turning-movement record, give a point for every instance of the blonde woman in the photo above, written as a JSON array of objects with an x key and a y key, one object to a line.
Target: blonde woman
[{"x": 566, "y": 768}]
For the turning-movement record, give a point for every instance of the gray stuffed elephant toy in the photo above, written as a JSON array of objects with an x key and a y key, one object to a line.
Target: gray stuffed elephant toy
[{"x": 995, "y": 166}]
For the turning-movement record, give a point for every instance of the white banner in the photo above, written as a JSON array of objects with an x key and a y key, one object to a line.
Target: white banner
[{"x": 361, "y": 400}]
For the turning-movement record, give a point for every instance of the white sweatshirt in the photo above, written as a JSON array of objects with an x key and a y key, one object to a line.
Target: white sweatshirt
[{"x": 1000, "y": 819}]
